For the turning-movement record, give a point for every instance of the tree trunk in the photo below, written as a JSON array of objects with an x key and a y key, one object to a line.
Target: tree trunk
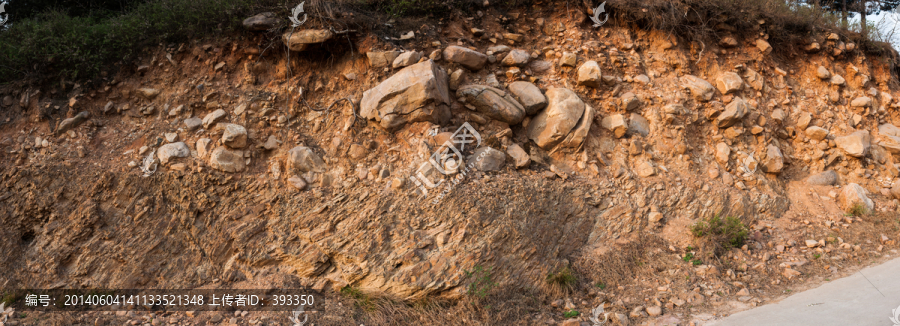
[
  {"x": 862, "y": 18},
  {"x": 844, "y": 12}
]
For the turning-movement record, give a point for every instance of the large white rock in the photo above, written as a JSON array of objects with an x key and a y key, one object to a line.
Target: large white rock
[
  {"x": 167, "y": 152},
  {"x": 227, "y": 160},
  {"x": 415, "y": 93},
  {"x": 856, "y": 144},
  {"x": 701, "y": 89},
  {"x": 565, "y": 121},
  {"x": 855, "y": 195}
]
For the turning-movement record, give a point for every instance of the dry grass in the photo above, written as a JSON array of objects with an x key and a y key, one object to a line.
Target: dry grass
[
  {"x": 786, "y": 23},
  {"x": 506, "y": 305},
  {"x": 620, "y": 264}
]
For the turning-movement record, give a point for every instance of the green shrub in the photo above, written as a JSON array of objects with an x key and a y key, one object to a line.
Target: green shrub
[
  {"x": 571, "y": 314},
  {"x": 858, "y": 209},
  {"x": 564, "y": 278},
  {"x": 725, "y": 233}
]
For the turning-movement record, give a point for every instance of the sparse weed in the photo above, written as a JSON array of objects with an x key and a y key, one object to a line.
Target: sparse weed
[
  {"x": 571, "y": 314},
  {"x": 362, "y": 299},
  {"x": 481, "y": 284}
]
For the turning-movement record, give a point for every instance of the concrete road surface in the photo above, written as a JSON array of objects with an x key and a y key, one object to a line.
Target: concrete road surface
[{"x": 862, "y": 299}]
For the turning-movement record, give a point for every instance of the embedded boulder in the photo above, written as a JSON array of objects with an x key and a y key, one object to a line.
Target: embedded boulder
[
  {"x": 856, "y": 144},
  {"x": 564, "y": 123},
  {"x": 733, "y": 113},
  {"x": 826, "y": 178},
  {"x": 227, "y": 160},
  {"x": 589, "y": 74},
  {"x": 701, "y": 89},
  {"x": 303, "y": 159},
  {"x": 493, "y": 102},
  {"x": 853, "y": 197},
  {"x": 529, "y": 96},
  {"x": 415, "y": 93},
  {"x": 261, "y": 22},
  {"x": 772, "y": 160},
  {"x": 167, "y": 152},
  {"x": 301, "y": 40},
  {"x": 471, "y": 59}
]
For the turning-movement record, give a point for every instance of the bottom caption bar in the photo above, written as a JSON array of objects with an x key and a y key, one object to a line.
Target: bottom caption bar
[{"x": 161, "y": 299}]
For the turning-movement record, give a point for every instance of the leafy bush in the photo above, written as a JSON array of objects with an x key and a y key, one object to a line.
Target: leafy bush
[
  {"x": 79, "y": 46},
  {"x": 858, "y": 209},
  {"x": 725, "y": 233},
  {"x": 564, "y": 278}
]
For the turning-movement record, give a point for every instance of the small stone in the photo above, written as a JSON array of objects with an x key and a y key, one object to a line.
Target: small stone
[
  {"x": 235, "y": 136},
  {"x": 729, "y": 82},
  {"x": 227, "y": 160},
  {"x": 518, "y": 58},
  {"x": 701, "y": 89},
  {"x": 203, "y": 147},
  {"x": 173, "y": 150},
  {"x": 630, "y": 101},
  {"x": 520, "y": 157},
  {"x": 654, "y": 217},
  {"x": 406, "y": 59},
  {"x": 823, "y": 73},
  {"x": 589, "y": 74},
  {"x": 471, "y": 59},
  {"x": 297, "y": 182},
  {"x": 271, "y": 143},
  {"x": 723, "y": 153},
  {"x": 568, "y": 59},
  {"x": 171, "y": 137},
  {"x": 148, "y": 93},
  {"x": 856, "y": 144},
  {"x": 645, "y": 169},
  {"x": 816, "y": 133},
  {"x": 212, "y": 118},
  {"x": 837, "y": 80},
  {"x": 654, "y": 311},
  {"x": 826, "y": 178},
  {"x": 862, "y": 102},
  {"x": 529, "y": 96},
  {"x": 487, "y": 159},
  {"x": 763, "y": 46},
  {"x": 854, "y": 195},
  {"x": 615, "y": 123}
]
